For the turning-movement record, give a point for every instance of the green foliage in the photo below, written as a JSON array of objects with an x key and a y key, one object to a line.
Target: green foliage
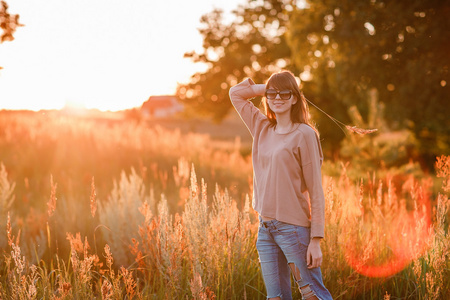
[
  {"x": 381, "y": 151},
  {"x": 400, "y": 48},
  {"x": 341, "y": 50},
  {"x": 252, "y": 45}
]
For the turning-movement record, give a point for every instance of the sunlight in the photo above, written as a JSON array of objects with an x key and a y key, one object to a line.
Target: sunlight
[
  {"x": 370, "y": 28},
  {"x": 100, "y": 63},
  {"x": 74, "y": 108},
  {"x": 383, "y": 253},
  {"x": 407, "y": 242}
]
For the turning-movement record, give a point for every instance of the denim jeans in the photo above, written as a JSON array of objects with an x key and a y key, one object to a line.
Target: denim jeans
[{"x": 282, "y": 247}]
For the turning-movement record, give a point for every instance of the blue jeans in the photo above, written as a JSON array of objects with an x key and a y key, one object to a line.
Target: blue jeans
[{"x": 282, "y": 248}]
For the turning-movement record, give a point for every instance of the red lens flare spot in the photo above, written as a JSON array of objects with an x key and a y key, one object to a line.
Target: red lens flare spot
[{"x": 388, "y": 242}]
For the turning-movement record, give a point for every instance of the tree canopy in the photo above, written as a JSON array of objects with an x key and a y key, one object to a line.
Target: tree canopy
[
  {"x": 400, "y": 48},
  {"x": 8, "y": 23},
  {"x": 341, "y": 50},
  {"x": 253, "y": 45}
]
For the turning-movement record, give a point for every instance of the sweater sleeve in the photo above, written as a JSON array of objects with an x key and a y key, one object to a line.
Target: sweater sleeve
[
  {"x": 239, "y": 95},
  {"x": 311, "y": 160}
]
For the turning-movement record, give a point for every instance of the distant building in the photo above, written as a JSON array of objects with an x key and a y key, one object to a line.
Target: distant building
[{"x": 161, "y": 106}]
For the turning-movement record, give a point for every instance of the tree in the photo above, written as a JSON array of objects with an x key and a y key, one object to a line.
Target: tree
[
  {"x": 253, "y": 45},
  {"x": 344, "y": 48},
  {"x": 8, "y": 23}
]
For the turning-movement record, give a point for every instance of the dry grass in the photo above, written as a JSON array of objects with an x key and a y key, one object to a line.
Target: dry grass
[{"x": 168, "y": 217}]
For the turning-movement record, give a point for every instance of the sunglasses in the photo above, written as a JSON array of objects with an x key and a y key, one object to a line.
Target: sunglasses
[{"x": 284, "y": 95}]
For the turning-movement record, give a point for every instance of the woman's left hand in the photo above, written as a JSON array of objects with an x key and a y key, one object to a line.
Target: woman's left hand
[{"x": 314, "y": 254}]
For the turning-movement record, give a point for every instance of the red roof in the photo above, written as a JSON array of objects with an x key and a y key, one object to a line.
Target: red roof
[{"x": 160, "y": 102}]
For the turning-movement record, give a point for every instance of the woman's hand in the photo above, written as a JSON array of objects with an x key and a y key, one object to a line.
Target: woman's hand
[
  {"x": 247, "y": 89},
  {"x": 314, "y": 254}
]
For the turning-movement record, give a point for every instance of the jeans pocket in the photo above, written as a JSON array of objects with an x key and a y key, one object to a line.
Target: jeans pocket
[
  {"x": 303, "y": 234},
  {"x": 285, "y": 228}
]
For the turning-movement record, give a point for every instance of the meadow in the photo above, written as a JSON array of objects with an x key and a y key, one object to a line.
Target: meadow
[{"x": 111, "y": 208}]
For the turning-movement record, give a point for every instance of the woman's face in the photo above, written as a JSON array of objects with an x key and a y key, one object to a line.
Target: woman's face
[{"x": 280, "y": 101}]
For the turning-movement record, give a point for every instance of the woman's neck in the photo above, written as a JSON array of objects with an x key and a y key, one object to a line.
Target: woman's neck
[{"x": 284, "y": 123}]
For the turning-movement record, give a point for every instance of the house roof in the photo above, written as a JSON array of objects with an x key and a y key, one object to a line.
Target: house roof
[{"x": 160, "y": 102}]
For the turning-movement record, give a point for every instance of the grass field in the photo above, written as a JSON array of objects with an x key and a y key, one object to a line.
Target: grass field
[{"x": 105, "y": 207}]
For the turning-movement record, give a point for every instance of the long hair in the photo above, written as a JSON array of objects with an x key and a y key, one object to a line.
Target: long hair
[{"x": 285, "y": 80}]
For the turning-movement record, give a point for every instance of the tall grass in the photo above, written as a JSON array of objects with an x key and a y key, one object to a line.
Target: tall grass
[{"x": 127, "y": 211}]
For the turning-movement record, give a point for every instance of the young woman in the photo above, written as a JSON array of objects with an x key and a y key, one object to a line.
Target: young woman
[{"x": 287, "y": 185}]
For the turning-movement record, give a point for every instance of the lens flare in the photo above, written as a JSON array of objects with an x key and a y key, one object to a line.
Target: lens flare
[{"x": 379, "y": 250}]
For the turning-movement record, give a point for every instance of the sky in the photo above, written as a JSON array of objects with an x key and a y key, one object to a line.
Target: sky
[{"x": 103, "y": 54}]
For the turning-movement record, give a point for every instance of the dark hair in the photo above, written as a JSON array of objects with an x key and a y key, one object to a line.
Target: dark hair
[{"x": 285, "y": 80}]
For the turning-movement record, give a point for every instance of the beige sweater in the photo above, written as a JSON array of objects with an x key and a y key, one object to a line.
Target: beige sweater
[{"x": 287, "y": 181}]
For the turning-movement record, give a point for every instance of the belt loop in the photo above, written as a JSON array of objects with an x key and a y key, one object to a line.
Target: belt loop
[{"x": 262, "y": 223}]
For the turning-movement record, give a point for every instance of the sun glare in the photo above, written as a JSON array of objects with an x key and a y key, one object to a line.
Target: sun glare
[
  {"x": 98, "y": 63},
  {"x": 74, "y": 107},
  {"x": 382, "y": 253}
]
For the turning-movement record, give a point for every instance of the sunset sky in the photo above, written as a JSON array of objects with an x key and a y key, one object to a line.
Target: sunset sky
[{"x": 104, "y": 54}]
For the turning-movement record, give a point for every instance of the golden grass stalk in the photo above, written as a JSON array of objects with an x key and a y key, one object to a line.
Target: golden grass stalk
[
  {"x": 6, "y": 190},
  {"x": 443, "y": 171},
  {"x": 93, "y": 200},
  {"x": 121, "y": 215},
  {"x": 208, "y": 249},
  {"x": 51, "y": 204},
  {"x": 130, "y": 283}
]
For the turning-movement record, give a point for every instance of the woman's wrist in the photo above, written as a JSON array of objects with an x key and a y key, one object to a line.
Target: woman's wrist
[{"x": 259, "y": 89}]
